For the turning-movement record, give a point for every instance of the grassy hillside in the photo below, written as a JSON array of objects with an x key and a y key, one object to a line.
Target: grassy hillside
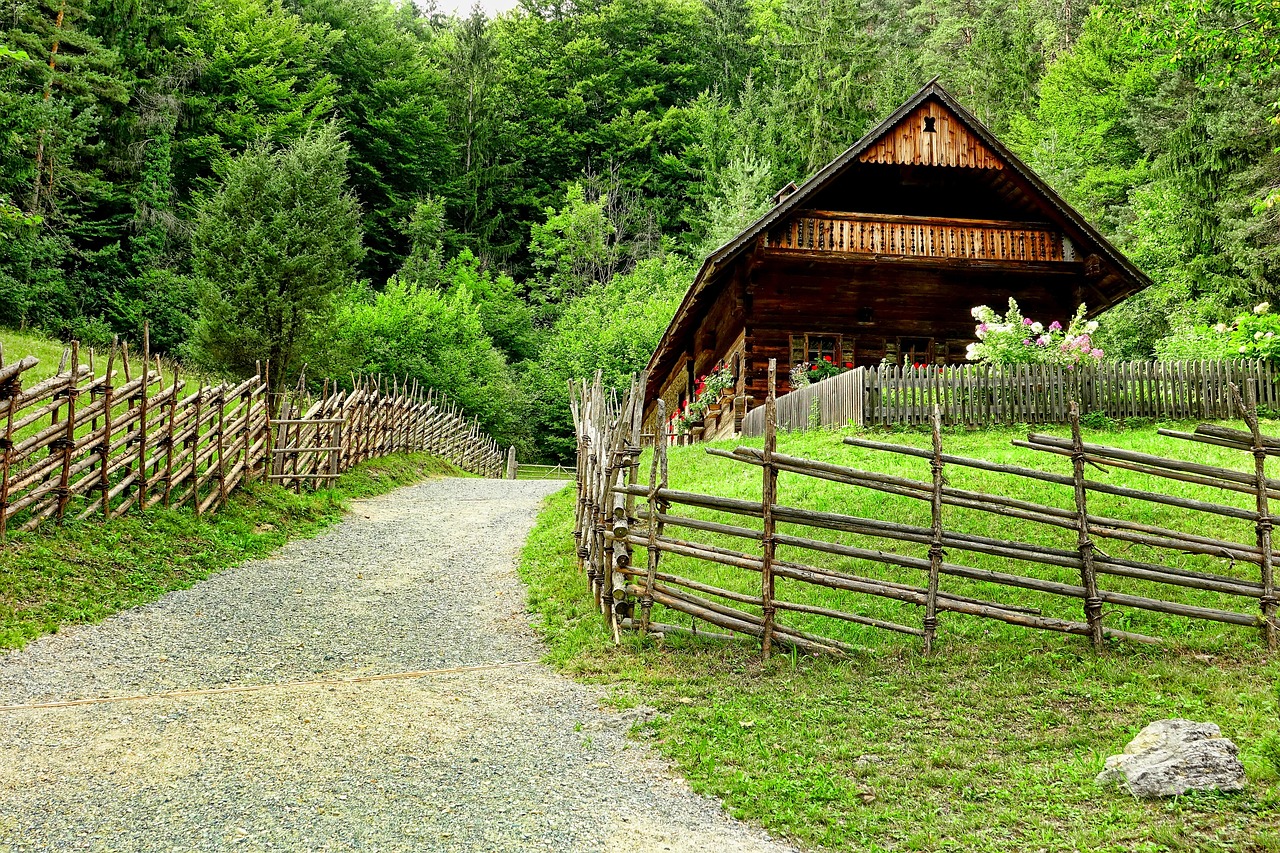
[
  {"x": 17, "y": 345},
  {"x": 993, "y": 743}
]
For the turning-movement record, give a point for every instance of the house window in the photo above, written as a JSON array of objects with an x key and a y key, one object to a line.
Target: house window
[
  {"x": 815, "y": 347},
  {"x": 917, "y": 351}
]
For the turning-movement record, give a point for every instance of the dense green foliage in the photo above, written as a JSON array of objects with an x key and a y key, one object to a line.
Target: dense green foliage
[{"x": 507, "y": 170}]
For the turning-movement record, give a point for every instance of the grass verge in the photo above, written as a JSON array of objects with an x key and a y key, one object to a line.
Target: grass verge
[
  {"x": 86, "y": 571},
  {"x": 991, "y": 745}
]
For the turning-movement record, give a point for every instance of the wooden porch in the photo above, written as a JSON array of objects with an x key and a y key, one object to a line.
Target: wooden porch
[{"x": 835, "y": 233}]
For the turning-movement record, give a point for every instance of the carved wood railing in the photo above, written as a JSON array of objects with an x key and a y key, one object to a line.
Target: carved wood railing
[{"x": 918, "y": 237}]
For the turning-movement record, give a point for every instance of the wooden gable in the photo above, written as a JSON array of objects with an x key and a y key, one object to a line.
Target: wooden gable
[{"x": 931, "y": 135}]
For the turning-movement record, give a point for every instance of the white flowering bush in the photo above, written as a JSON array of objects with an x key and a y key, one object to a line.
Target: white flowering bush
[
  {"x": 1255, "y": 334},
  {"x": 1015, "y": 339}
]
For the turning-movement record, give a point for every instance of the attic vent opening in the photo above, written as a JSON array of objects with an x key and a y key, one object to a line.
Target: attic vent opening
[{"x": 928, "y": 124}]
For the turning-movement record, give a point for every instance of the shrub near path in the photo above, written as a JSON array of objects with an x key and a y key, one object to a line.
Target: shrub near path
[{"x": 990, "y": 745}]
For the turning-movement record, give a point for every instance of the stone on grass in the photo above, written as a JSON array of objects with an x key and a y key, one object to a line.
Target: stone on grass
[{"x": 1171, "y": 757}]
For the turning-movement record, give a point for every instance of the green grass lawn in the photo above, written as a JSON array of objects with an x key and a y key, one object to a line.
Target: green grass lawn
[
  {"x": 86, "y": 571},
  {"x": 992, "y": 743}
]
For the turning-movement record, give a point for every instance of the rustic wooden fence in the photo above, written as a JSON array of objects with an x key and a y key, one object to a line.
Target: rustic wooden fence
[
  {"x": 1147, "y": 572},
  {"x": 86, "y": 444},
  {"x": 984, "y": 395},
  {"x": 526, "y": 471},
  {"x": 313, "y": 440}
]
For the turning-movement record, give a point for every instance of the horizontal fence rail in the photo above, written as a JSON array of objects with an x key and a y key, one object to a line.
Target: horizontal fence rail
[
  {"x": 527, "y": 471},
  {"x": 317, "y": 440},
  {"x": 986, "y": 395},
  {"x": 91, "y": 444},
  {"x": 1233, "y": 584}
]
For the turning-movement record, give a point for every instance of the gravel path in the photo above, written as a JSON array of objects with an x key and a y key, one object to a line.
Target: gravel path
[{"x": 515, "y": 758}]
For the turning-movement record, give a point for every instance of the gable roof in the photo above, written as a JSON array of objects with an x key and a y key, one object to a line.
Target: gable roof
[{"x": 1092, "y": 242}]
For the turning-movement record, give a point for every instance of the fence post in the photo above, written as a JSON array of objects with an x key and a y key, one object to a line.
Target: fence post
[
  {"x": 221, "y": 449},
  {"x": 1084, "y": 543},
  {"x": 171, "y": 417},
  {"x": 512, "y": 468},
  {"x": 1267, "y": 602},
  {"x": 936, "y": 554},
  {"x": 194, "y": 442},
  {"x": 269, "y": 443},
  {"x": 246, "y": 428},
  {"x": 335, "y": 455},
  {"x": 68, "y": 440},
  {"x": 104, "y": 447},
  {"x": 599, "y": 453},
  {"x": 143, "y": 411},
  {"x": 624, "y": 506},
  {"x": 769, "y": 497},
  {"x": 13, "y": 390},
  {"x": 657, "y": 482},
  {"x": 578, "y": 408}
]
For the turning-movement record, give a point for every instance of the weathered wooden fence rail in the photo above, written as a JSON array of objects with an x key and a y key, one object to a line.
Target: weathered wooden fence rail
[
  {"x": 91, "y": 444},
  {"x": 1231, "y": 578},
  {"x": 316, "y": 440},
  {"x": 526, "y": 471},
  {"x": 983, "y": 395}
]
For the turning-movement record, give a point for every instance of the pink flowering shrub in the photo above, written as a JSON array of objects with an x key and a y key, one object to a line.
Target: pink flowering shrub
[{"x": 1014, "y": 339}]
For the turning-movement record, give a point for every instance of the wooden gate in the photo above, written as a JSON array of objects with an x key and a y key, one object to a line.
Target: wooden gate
[{"x": 306, "y": 449}]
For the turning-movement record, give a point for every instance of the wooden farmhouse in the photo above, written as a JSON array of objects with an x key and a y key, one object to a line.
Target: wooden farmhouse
[{"x": 881, "y": 255}]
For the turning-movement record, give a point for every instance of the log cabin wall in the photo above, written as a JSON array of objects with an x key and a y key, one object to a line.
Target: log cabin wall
[
  {"x": 719, "y": 329},
  {"x": 672, "y": 391},
  {"x": 878, "y": 311}
]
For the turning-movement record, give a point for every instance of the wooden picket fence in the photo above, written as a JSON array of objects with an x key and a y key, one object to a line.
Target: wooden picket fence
[
  {"x": 1149, "y": 572},
  {"x": 85, "y": 444},
  {"x": 985, "y": 395}
]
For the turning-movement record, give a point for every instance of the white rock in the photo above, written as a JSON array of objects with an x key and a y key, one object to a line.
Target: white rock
[{"x": 1171, "y": 757}]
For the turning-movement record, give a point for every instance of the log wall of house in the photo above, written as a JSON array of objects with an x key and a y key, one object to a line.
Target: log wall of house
[{"x": 880, "y": 311}]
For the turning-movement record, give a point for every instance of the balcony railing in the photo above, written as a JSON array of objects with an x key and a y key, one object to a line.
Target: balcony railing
[{"x": 919, "y": 237}]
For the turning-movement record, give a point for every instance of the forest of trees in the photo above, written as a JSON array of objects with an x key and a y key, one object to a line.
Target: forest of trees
[{"x": 494, "y": 206}]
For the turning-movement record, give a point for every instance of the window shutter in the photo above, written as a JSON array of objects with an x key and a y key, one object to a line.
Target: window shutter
[{"x": 797, "y": 349}]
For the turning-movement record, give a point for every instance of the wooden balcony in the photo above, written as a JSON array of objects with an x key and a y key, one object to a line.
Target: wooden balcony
[{"x": 919, "y": 237}]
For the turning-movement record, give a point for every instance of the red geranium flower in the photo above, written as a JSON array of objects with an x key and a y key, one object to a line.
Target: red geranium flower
[
  {"x": 826, "y": 358},
  {"x": 848, "y": 364}
]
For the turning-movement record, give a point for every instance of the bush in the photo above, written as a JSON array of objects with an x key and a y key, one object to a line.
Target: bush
[
  {"x": 1014, "y": 339},
  {"x": 614, "y": 327},
  {"x": 438, "y": 338},
  {"x": 1252, "y": 335},
  {"x": 273, "y": 247}
]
